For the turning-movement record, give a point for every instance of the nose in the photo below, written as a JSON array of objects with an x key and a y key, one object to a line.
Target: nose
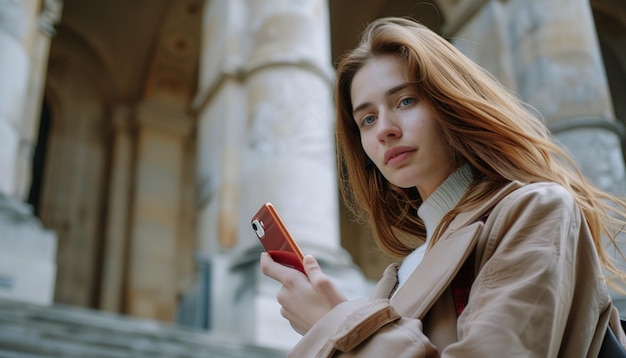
[{"x": 387, "y": 127}]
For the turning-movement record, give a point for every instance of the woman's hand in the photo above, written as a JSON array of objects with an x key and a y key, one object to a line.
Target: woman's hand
[{"x": 304, "y": 298}]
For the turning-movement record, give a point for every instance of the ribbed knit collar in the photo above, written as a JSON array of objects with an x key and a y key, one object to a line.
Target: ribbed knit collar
[{"x": 444, "y": 198}]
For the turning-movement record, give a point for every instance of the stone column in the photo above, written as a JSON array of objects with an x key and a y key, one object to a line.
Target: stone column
[
  {"x": 152, "y": 258},
  {"x": 27, "y": 251},
  {"x": 116, "y": 232},
  {"x": 557, "y": 59},
  {"x": 265, "y": 133},
  {"x": 38, "y": 40},
  {"x": 556, "y": 66},
  {"x": 15, "y": 18},
  {"x": 484, "y": 39}
]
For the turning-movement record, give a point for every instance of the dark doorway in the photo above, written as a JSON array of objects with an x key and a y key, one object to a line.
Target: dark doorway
[{"x": 39, "y": 158}]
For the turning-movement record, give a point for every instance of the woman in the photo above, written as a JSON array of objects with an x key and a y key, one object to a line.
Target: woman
[{"x": 505, "y": 256}]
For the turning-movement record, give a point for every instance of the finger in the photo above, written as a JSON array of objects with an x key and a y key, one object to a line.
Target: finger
[
  {"x": 311, "y": 267},
  {"x": 322, "y": 283},
  {"x": 276, "y": 271},
  {"x": 269, "y": 267}
]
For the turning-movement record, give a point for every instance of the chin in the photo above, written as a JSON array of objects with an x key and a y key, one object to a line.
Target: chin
[
  {"x": 403, "y": 184},
  {"x": 403, "y": 181}
]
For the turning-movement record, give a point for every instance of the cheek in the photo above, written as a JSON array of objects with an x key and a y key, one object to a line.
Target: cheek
[{"x": 369, "y": 146}]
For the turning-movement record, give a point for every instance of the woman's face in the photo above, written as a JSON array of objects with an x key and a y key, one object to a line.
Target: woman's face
[{"x": 398, "y": 130}]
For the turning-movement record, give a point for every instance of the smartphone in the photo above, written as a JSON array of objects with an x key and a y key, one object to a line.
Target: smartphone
[{"x": 275, "y": 237}]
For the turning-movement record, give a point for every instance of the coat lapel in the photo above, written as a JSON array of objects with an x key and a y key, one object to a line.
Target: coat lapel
[
  {"x": 435, "y": 272},
  {"x": 440, "y": 265}
]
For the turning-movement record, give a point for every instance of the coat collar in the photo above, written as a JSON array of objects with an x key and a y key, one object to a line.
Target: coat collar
[{"x": 441, "y": 264}]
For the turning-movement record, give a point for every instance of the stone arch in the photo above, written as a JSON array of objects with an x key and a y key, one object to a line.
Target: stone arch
[
  {"x": 110, "y": 75},
  {"x": 173, "y": 67},
  {"x": 79, "y": 90}
]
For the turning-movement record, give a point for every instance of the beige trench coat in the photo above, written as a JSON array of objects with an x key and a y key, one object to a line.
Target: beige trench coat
[{"x": 538, "y": 291}]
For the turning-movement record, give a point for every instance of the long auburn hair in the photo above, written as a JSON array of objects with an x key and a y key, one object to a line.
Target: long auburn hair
[{"x": 485, "y": 125}]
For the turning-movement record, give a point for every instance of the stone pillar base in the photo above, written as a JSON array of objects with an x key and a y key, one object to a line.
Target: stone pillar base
[{"x": 27, "y": 255}]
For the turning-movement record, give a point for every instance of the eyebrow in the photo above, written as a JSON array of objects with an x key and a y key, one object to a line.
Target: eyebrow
[{"x": 387, "y": 94}]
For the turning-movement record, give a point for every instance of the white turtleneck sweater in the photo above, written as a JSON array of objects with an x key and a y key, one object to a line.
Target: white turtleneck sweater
[{"x": 432, "y": 210}]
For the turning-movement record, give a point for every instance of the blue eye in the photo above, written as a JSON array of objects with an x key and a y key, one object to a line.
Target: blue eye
[
  {"x": 407, "y": 101},
  {"x": 369, "y": 120}
]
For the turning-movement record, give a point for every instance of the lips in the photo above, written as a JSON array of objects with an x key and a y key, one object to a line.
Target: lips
[{"x": 398, "y": 152}]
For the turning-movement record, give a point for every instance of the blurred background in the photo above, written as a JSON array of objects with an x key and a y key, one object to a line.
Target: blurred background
[{"x": 138, "y": 138}]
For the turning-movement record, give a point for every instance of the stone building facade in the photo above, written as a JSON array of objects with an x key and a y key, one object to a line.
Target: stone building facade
[{"x": 137, "y": 138}]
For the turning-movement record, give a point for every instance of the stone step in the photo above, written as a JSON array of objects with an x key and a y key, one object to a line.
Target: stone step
[{"x": 34, "y": 331}]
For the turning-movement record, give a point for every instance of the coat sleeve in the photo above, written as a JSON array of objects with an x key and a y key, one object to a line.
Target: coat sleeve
[{"x": 365, "y": 328}]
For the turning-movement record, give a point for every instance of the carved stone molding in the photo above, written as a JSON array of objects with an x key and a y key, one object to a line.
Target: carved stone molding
[{"x": 49, "y": 16}]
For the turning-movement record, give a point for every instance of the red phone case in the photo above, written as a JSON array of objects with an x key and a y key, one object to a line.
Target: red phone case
[{"x": 275, "y": 237}]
